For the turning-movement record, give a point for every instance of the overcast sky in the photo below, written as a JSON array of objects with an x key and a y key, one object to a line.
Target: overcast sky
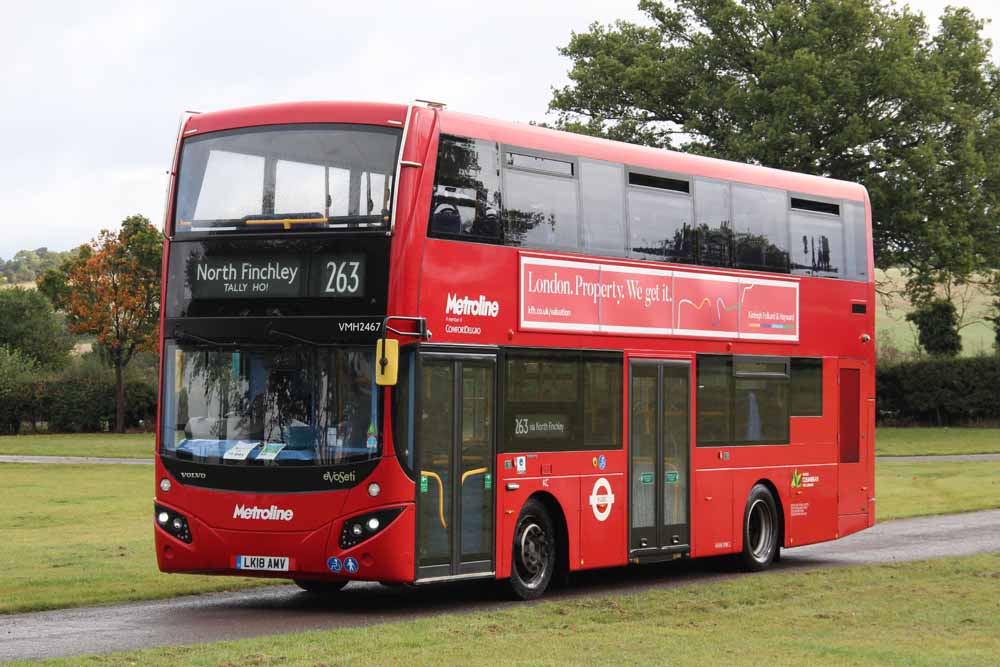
[{"x": 91, "y": 93}]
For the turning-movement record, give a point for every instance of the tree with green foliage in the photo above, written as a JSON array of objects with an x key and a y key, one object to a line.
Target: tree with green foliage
[
  {"x": 112, "y": 291},
  {"x": 858, "y": 90},
  {"x": 28, "y": 265},
  {"x": 15, "y": 367},
  {"x": 937, "y": 327},
  {"x": 54, "y": 282},
  {"x": 30, "y": 325},
  {"x": 994, "y": 319}
]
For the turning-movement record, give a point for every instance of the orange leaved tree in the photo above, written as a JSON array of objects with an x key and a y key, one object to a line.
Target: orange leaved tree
[{"x": 114, "y": 294}]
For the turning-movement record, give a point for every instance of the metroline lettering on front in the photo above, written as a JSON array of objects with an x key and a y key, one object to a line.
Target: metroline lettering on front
[{"x": 592, "y": 297}]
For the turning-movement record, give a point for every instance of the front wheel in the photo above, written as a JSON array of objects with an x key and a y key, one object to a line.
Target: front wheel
[
  {"x": 534, "y": 555},
  {"x": 319, "y": 587},
  {"x": 761, "y": 528}
]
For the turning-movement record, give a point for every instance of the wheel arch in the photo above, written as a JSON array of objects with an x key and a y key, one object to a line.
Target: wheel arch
[{"x": 558, "y": 516}]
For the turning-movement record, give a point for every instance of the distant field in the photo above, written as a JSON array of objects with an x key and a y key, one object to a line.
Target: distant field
[
  {"x": 115, "y": 445},
  {"x": 976, "y": 338},
  {"x": 937, "y": 612},
  {"x": 925, "y": 441},
  {"x": 28, "y": 285}
]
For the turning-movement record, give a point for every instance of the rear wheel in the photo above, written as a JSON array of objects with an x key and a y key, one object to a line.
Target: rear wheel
[
  {"x": 320, "y": 587},
  {"x": 761, "y": 528},
  {"x": 534, "y": 552}
]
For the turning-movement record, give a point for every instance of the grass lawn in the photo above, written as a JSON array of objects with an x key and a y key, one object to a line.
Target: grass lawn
[
  {"x": 904, "y": 489},
  {"x": 937, "y": 612},
  {"x": 73, "y": 535},
  {"x": 116, "y": 445},
  {"x": 921, "y": 441},
  {"x": 82, "y": 535}
]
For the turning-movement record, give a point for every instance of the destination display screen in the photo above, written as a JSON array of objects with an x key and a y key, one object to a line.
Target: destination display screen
[{"x": 329, "y": 276}]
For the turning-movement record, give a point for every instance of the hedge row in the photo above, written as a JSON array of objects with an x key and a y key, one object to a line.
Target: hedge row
[
  {"x": 77, "y": 400},
  {"x": 939, "y": 392}
]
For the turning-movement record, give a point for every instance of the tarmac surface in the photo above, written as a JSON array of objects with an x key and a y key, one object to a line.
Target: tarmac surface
[{"x": 284, "y": 609}]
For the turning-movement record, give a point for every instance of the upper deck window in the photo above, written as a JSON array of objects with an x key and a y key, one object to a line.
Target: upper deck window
[
  {"x": 287, "y": 177},
  {"x": 578, "y": 204},
  {"x": 466, "y": 190},
  {"x": 541, "y": 202},
  {"x": 660, "y": 217}
]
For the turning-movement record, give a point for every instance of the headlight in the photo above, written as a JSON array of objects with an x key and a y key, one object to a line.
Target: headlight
[
  {"x": 357, "y": 529},
  {"x": 173, "y": 523}
]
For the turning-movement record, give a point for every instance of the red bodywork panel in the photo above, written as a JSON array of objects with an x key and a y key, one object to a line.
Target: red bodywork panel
[{"x": 424, "y": 272}]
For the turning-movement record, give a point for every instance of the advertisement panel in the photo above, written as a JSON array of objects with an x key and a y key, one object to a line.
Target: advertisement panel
[{"x": 593, "y": 297}]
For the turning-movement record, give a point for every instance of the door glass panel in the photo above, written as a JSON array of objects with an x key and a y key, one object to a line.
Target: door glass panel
[
  {"x": 643, "y": 452},
  {"x": 476, "y": 481},
  {"x": 676, "y": 423},
  {"x": 436, "y": 437}
]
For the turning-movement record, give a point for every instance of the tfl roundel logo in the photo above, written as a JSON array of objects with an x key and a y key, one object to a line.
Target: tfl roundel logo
[{"x": 602, "y": 499}]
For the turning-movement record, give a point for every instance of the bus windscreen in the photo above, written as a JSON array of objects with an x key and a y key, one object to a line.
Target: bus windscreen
[
  {"x": 286, "y": 178},
  {"x": 294, "y": 406}
]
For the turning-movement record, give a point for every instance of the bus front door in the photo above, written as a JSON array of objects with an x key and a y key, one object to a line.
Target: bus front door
[
  {"x": 454, "y": 465},
  {"x": 659, "y": 446}
]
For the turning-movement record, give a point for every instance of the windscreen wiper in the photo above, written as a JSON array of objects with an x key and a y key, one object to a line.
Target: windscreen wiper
[
  {"x": 290, "y": 336},
  {"x": 180, "y": 334}
]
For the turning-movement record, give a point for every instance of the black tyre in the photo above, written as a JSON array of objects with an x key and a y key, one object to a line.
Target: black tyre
[
  {"x": 761, "y": 530},
  {"x": 534, "y": 552},
  {"x": 320, "y": 587}
]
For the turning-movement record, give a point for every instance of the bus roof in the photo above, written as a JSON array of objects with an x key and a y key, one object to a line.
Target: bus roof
[
  {"x": 527, "y": 136},
  {"x": 366, "y": 113},
  {"x": 556, "y": 141}
]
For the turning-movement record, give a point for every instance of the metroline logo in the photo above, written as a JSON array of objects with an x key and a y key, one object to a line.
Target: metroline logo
[
  {"x": 465, "y": 306},
  {"x": 272, "y": 513}
]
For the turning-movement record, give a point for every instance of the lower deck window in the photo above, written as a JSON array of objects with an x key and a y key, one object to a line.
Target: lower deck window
[
  {"x": 742, "y": 402},
  {"x": 562, "y": 401}
]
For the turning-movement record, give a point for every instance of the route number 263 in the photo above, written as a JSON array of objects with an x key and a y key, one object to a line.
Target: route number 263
[
  {"x": 344, "y": 278},
  {"x": 521, "y": 426}
]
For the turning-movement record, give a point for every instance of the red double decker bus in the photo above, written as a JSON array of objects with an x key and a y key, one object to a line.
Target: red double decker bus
[{"x": 595, "y": 353}]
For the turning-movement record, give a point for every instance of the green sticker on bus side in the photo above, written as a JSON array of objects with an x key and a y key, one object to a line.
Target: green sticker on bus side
[
  {"x": 646, "y": 478},
  {"x": 487, "y": 481},
  {"x": 672, "y": 477},
  {"x": 423, "y": 484}
]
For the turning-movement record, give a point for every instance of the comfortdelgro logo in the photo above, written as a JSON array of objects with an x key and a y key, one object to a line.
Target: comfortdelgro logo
[
  {"x": 272, "y": 513},
  {"x": 465, "y": 306}
]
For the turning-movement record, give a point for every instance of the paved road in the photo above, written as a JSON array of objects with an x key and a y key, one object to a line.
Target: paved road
[
  {"x": 9, "y": 458},
  {"x": 282, "y": 609}
]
